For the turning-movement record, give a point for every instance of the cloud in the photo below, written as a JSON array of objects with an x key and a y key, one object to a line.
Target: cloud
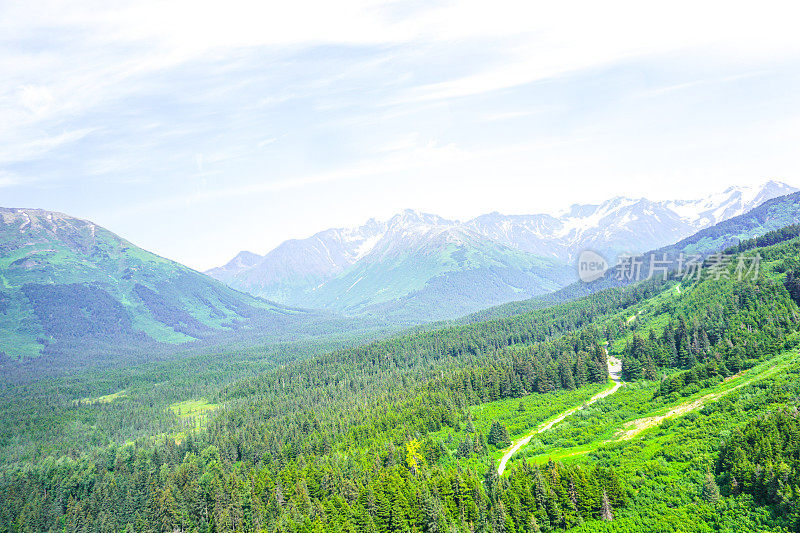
[
  {"x": 35, "y": 99},
  {"x": 38, "y": 146},
  {"x": 8, "y": 179},
  {"x": 567, "y": 37},
  {"x": 657, "y": 91}
]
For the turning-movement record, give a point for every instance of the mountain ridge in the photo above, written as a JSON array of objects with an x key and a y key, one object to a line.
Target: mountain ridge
[
  {"x": 313, "y": 272},
  {"x": 771, "y": 215}
]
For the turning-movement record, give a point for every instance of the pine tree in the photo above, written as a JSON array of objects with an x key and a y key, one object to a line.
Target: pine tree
[
  {"x": 565, "y": 373},
  {"x": 793, "y": 285},
  {"x": 499, "y": 518},
  {"x": 491, "y": 481},
  {"x": 710, "y": 489},
  {"x": 631, "y": 368},
  {"x": 465, "y": 448},
  {"x": 498, "y": 435},
  {"x": 580, "y": 373},
  {"x": 606, "y": 512}
]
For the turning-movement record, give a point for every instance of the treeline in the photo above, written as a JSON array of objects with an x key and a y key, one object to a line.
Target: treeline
[
  {"x": 151, "y": 489},
  {"x": 690, "y": 381}
]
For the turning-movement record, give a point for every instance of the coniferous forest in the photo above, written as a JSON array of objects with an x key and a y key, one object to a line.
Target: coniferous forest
[{"x": 407, "y": 433}]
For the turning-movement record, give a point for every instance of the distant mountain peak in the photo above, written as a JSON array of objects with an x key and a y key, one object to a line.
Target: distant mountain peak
[{"x": 411, "y": 217}]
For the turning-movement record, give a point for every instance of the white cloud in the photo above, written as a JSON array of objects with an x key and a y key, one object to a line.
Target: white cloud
[
  {"x": 36, "y": 147},
  {"x": 35, "y": 99},
  {"x": 558, "y": 38}
]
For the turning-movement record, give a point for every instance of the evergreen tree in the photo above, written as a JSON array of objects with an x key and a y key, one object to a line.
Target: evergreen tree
[
  {"x": 491, "y": 481},
  {"x": 792, "y": 284},
  {"x": 470, "y": 426},
  {"x": 606, "y": 512},
  {"x": 465, "y": 448},
  {"x": 710, "y": 489},
  {"x": 631, "y": 368},
  {"x": 498, "y": 435}
]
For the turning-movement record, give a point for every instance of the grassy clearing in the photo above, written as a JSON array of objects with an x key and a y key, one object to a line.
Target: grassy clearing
[
  {"x": 762, "y": 371},
  {"x": 539, "y": 408},
  {"x": 108, "y": 398},
  {"x": 193, "y": 415},
  {"x": 198, "y": 409},
  {"x": 603, "y": 428},
  {"x": 518, "y": 444}
]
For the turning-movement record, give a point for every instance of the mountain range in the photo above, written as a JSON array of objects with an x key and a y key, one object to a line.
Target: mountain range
[
  {"x": 428, "y": 267},
  {"x": 778, "y": 214},
  {"x": 72, "y": 289}
]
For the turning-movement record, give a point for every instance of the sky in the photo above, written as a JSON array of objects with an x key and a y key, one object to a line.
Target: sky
[{"x": 198, "y": 129}]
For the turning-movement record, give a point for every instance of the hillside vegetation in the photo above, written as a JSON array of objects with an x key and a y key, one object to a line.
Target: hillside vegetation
[{"x": 404, "y": 434}]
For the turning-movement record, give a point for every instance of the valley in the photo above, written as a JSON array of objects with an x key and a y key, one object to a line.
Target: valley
[{"x": 559, "y": 417}]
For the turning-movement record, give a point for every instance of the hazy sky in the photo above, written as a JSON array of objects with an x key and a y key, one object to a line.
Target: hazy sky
[{"x": 198, "y": 129}]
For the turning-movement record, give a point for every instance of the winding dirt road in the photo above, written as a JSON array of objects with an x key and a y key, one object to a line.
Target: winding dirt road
[{"x": 614, "y": 372}]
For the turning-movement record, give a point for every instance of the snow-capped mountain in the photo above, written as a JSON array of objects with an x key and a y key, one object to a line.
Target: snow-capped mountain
[
  {"x": 287, "y": 272},
  {"x": 489, "y": 259},
  {"x": 616, "y": 225},
  {"x": 733, "y": 201},
  {"x": 622, "y": 224},
  {"x": 354, "y": 268},
  {"x": 423, "y": 255}
]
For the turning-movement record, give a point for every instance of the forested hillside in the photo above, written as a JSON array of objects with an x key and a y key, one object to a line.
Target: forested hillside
[
  {"x": 73, "y": 294},
  {"x": 404, "y": 434}
]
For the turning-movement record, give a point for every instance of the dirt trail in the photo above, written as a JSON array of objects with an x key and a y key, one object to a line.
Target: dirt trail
[
  {"x": 614, "y": 372},
  {"x": 634, "y": 427}
]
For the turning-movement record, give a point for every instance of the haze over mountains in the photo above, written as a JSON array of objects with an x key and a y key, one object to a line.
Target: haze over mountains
[
  {"x": 414, "y": 260},
  {"x": 780, "y": 214}
]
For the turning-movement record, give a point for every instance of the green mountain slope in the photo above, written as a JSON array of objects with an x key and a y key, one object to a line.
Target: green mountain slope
[
  {"x": 444, "y": 277},
  {"x": 414, "y": 268},
  {"x": 66, "y": 281}
]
